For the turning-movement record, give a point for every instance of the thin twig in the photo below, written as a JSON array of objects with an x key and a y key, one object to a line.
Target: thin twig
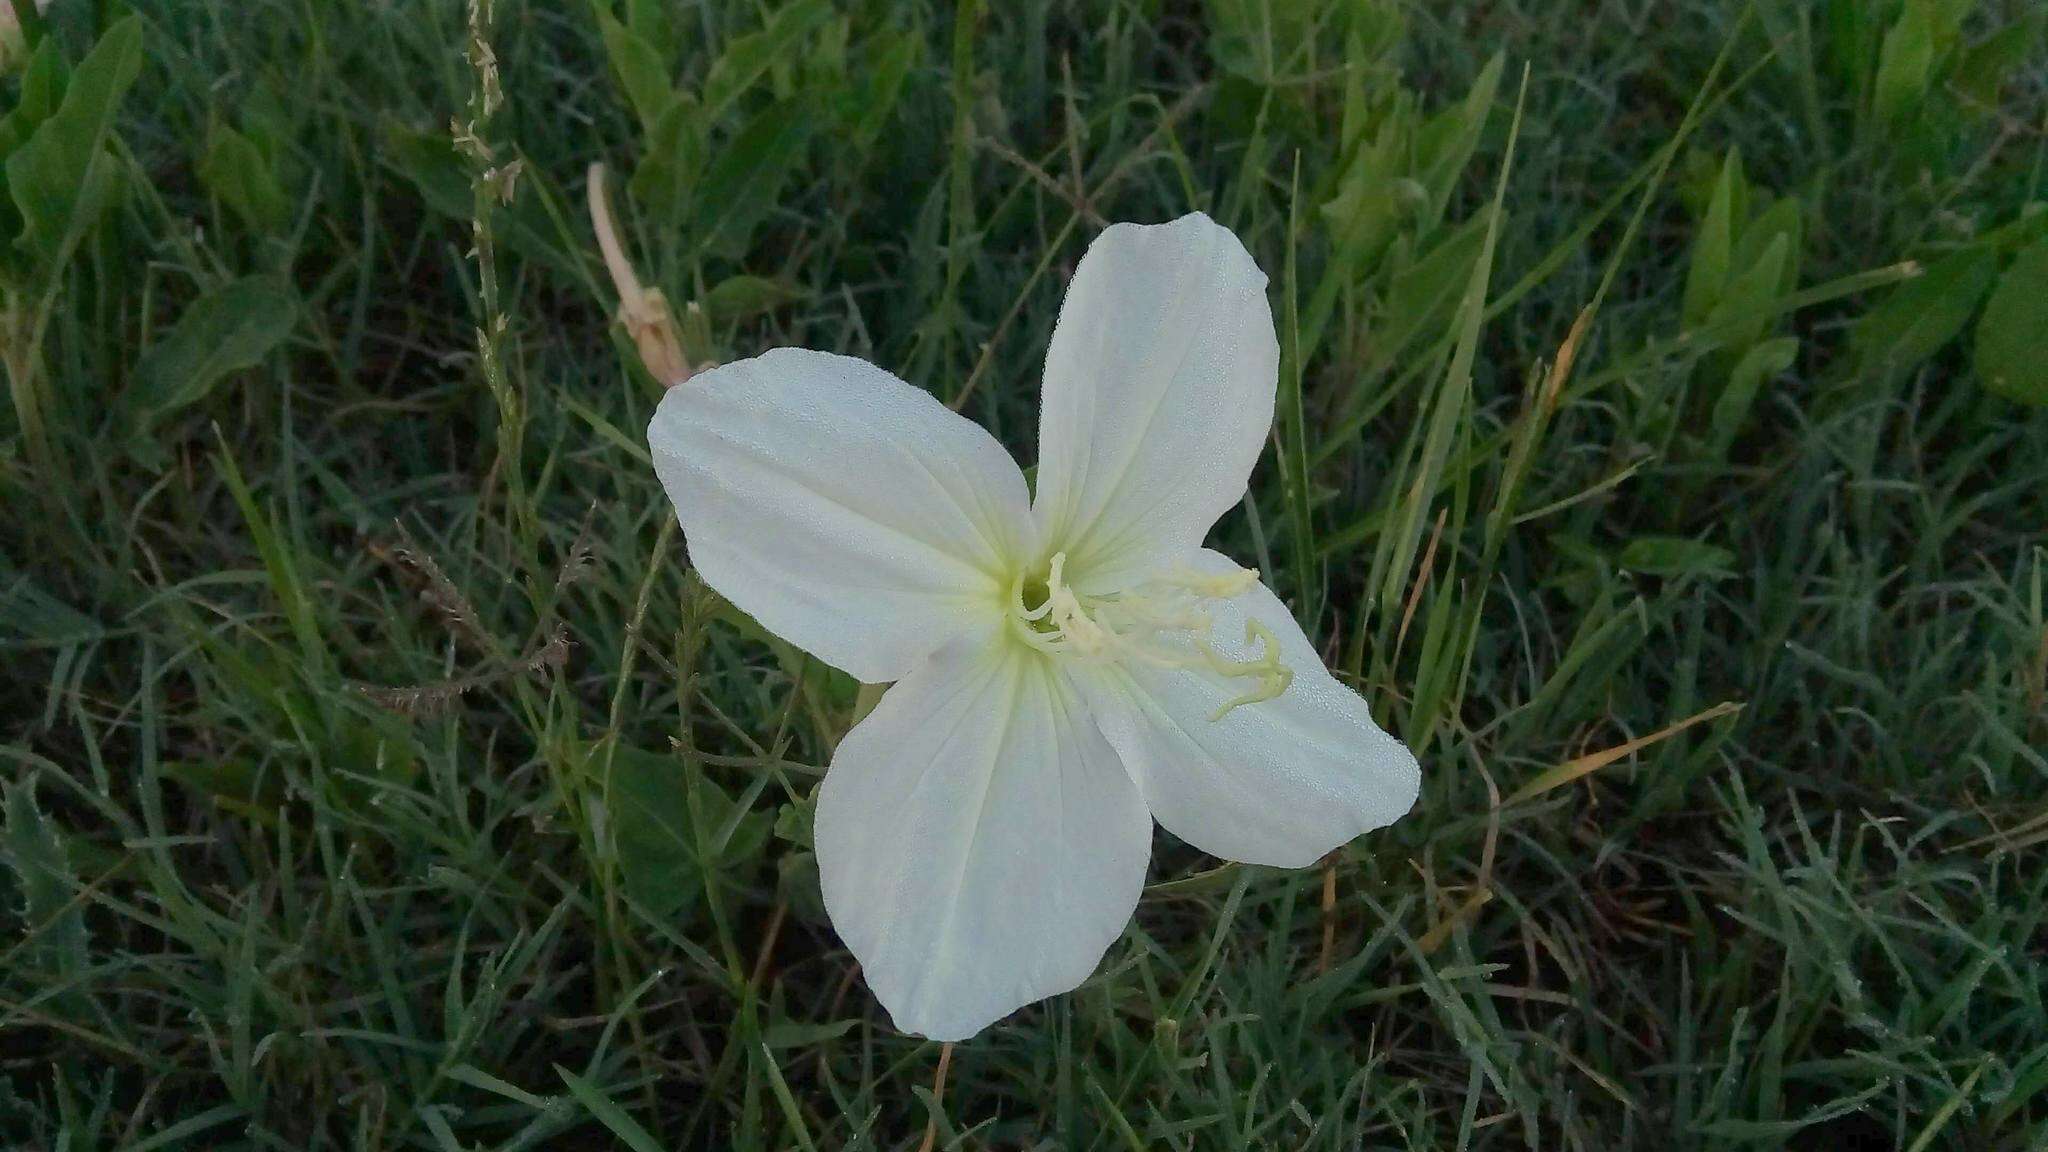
[{"x": 931, "y": 1126}]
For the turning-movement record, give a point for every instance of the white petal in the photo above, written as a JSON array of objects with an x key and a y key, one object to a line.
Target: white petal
[
  {"x": 980, "y": 845},
  {"x": 848, "y": 512},
  {"x": 1158, "y": 395},
  {"x": 1281, "y": 781}
]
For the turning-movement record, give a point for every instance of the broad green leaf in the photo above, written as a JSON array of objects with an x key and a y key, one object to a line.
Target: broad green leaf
[
  {"x": 1750, "y": 302},
  {"x": 1738, "y": 396},
  {"x": 1713, "y": 247},
  {"x": 229, "y": 329},
  {"x": 797, "y": 821},
  {"x": 1445, "y": 142},
  {"x": 887, "y": 61},
  {"x": 42, "y": 89},
  {"x": 2012, "y": 336},
  {"x": 1362, "y": 216},
  {"x": 1264, "y": 41},
  {"x": 60, "y": 179},
  {"x": 797, "y": 1034},
  {"x": 745, "y": 297},
  {"x": 642, "y": 73},
  {"x": 1782, "y": 218},
  {"x": 745, "y": 181},
  {"x": 1676, "y": 556},
  {"x": 1945, "y": 19},
  {"x": 1422, "y": 297},
  {"x": 654, "y": 22},
  {"x": 672, "y": 158},
  {"x": 1990, "y": 63},
  {"x": 748, "y": 58},
  {"x": 236, "y": 170},
  {"x": 663, "y": 852},
  {"x": 1922, "y": 315},
  {"x": 429, "y": 162},
  {"x": 1905, "y": 63},
  {"x": 798, "y": 885}
]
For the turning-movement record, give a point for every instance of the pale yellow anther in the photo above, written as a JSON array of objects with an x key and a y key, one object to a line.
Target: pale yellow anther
[
  {"x": 1216, "y": 587},
  {"x": 1166, "y": 622},
  {"x": 1273, "y": 676},
  {"x": 644, "y": 312}
]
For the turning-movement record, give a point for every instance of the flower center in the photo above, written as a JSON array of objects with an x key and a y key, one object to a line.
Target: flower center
[{"x": 1167, "y": 621}]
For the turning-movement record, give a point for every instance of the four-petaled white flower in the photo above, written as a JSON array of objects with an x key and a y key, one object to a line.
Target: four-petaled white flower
[{"x": 1067, "y": 665}]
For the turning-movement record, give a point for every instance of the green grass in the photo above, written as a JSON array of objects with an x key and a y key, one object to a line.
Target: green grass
[{"x": 377, "y": 775}]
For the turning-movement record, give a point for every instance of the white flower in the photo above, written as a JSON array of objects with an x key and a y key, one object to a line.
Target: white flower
[{"x": 1068, "y": 666}]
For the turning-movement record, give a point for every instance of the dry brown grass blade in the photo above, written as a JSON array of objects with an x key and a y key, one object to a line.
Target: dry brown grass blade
[
  {"x": 931, "y": 1126},
  {"x": 1588, "y": 764},
  {"x": 1329, "y": 912},
  {"x": 1567, "y": 355},
  {"x": 1482, "y": 885},
  {"x": 1422, "y": 575}
]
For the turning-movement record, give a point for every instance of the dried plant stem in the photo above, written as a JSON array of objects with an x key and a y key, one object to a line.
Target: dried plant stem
[{"x": 931, "y": 1126}]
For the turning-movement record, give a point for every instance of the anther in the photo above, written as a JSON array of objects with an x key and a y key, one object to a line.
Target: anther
[{"x": 1133, "y": 625}]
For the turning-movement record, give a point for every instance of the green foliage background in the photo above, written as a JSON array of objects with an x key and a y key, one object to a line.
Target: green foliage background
[{"x": 1660, "y": 449}]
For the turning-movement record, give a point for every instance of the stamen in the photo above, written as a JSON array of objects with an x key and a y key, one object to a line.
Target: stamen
[
  {"x": 1166, "y": 622},
  {"x": 1273, "y": 676}
]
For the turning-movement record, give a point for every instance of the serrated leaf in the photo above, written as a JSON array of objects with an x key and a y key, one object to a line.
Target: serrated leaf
[
  {"x": 33, "y": 852},
  {"x": 2012, "y": 336},
  {"x": 61, "y": 178},
  {"x": 1922, "y": 315},
  {"x": 228, "y": 330}
]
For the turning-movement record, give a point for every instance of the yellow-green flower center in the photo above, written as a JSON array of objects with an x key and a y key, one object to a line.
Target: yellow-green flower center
[{"x": 1167, "y": 621}]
